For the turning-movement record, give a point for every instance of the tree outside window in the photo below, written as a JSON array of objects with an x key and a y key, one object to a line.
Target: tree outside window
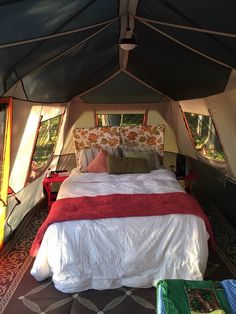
[
  {"x": 204, "y": 136},
  {"x": 45, "y": 146},
  {"x": 120, "y": 119}
]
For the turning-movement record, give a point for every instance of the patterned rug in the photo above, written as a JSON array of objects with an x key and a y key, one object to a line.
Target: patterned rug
[
  {"x": 20, "y": 293},
  {"x": 15, "y": 259}
]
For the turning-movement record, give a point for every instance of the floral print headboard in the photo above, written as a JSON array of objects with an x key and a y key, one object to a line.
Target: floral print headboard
[
  {"x": 144, "y": 137},
  {"x": 150, "y": 137},
  {"x": 101, "y": 137}
]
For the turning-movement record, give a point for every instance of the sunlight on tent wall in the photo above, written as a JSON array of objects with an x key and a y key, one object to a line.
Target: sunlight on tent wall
[
  {"x": 5, "y": 141},
  {"x": 223, "y": 113},
  {"x": 22, "y": 162},
  {"x": 3, "y": 114},
  {"x": 23, "y": 141},
  {"x": 20, "y": 167}
]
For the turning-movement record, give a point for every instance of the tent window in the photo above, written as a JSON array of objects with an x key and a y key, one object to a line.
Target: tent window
[
  {"x": 204, "y": 137},
  {"x": 44, "y": 148},
  {"x": 120, "y": 119}
]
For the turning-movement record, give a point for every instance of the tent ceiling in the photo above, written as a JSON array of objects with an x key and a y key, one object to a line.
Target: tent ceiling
[{"x": 63, "y": 48}]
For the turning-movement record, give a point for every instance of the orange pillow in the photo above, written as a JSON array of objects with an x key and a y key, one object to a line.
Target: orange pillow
[{"x": 99, "y": 164}]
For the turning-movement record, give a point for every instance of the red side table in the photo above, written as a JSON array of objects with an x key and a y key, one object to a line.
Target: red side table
[{"x": 47, "y": 184}]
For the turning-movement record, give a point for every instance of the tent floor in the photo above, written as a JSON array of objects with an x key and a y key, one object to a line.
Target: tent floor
[{"x": 20, "y": 293}]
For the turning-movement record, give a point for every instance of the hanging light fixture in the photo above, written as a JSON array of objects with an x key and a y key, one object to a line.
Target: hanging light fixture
[{"x": 129, "y": 41}]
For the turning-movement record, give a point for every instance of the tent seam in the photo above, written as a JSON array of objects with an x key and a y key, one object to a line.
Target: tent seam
[{"x": 186, "y": 46}]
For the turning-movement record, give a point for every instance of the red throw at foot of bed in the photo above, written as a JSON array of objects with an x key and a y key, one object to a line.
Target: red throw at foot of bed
[{"x": 120, "y": 205}]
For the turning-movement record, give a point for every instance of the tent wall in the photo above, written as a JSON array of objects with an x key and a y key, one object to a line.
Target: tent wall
[
  {"x": 173, "y": 115},
  {"x": 26, "y": 119},
  {"x": 213, "y": 182},
  {"x": 214, "y": 189},
  {"x": 222, "y": 109},
  {"x": 83, "y": 115}
]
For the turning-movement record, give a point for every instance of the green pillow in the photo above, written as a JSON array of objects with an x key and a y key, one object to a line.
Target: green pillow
[
  {"x": 142, "y": 154},
  {"x": 121, "y": 165}
]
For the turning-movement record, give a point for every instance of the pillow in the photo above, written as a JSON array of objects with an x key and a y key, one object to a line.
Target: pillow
[
  {"x": 151, "y": 136},
  {"x": 107, "y": 136},
  {"x": 99, "y": 164},
  {"x": 114, "y": 151},
  {"x": 152, "y": 156},
  {"x": 148, "y": 155},
  {"x": 87, "y": 155},
  {"x": 121, "y": 165}
]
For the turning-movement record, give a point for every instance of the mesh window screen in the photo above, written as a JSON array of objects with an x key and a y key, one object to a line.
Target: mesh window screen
[
  {"x": 45, "y": 146},
  {"x": 204, "y": 136},
  {"x": 120, "y": 119}
]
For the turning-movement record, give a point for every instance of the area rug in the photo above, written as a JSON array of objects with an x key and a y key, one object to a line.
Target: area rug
[
  {"x": 20, "y": 293},
  {"x": 14, "y": 258}
]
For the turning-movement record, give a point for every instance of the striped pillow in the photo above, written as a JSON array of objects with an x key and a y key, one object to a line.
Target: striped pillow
[{"x": 87, "y": 155}]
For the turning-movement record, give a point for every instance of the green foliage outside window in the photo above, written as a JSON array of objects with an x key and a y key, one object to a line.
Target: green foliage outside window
[
  {"x": 45, "y": 146},
  {"x": 204, "y": 136},
  {"x": 120, "y": 119}
]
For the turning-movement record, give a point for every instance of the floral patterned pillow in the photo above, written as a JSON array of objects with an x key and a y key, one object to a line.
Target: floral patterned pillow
[
  {"x": 149, "y": 137},
  {"x": 103, "y": 137}
]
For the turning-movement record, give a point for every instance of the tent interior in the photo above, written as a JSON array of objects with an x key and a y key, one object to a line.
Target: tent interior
[{"x": 62, "y": 67}]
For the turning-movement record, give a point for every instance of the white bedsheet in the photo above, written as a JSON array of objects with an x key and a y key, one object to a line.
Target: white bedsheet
[
  {"x": 93, "y": 184},
  {"x": 133, "y": 251}
]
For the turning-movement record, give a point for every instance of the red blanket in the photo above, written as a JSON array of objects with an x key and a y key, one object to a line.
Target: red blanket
[{"x": 120, "y": 205}]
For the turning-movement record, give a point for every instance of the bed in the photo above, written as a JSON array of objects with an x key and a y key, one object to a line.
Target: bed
[
  {"x": 114, "y": 226},
  {"x": 135, "y": 245}
]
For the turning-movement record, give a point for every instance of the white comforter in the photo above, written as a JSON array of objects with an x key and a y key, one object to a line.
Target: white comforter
[{"x": 133, "y": 251}]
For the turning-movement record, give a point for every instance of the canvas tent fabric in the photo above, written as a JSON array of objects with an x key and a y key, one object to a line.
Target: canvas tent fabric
[
  {"x": 60, "y": 49},
  {"x": 22, "y": 146},
  {"x": 65, "y": 54}
]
